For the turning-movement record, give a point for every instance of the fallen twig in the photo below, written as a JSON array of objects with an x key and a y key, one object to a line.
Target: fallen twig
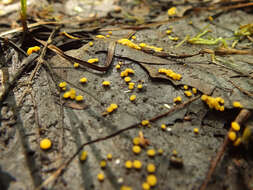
[{"x": 241, "y": 89}]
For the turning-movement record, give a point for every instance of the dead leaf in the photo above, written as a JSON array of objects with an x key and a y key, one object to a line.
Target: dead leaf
[{"x": 76, "y": 106}]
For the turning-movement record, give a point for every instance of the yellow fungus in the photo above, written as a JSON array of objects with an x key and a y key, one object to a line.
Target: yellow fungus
[
  {"x": 109, "y": 156},
  {"x": 76, "y": 65},
  {"x": 66, "y": 95},
  {"x": 93, "y": 60},
  {"x": 132, "y": 97},
  {"x": 151, "y": 180},
  {"x": 145, "y": 122},
  {"x": 160, "y": 151},
  {"x": 142, "y": 45},
  {"x": 177, "y": 99},
  {"x": 212, "y": 102},
  {"x": 131, "y": 85},
  {"x": 120, "y": 62},
  {"x": 109, "y": 109},
  {"x": 151, "y": 152},
  {"x": 235, "y": 126},
  {"x": 90, "y": 44},
  {"x": 103, "y": 164},
  {"x": 128, "y": 164},
  {"x": 128, "y": 43},
  {"x": 204, "y": 97},
  {"x": 83, "y": 80},
  {"x": 129, "y": 70},
  {"x": 114, "y": 106},
  {"x": 136, "y": 149},
  {"x": 168, "y": 31},
  {"x": 106, "y": 83},
  {"x": 127, "y": 79},
  {"x": 79, "y": 98},
  {"x": 137, "y": 164},
  {"x": 45, "y": 144},
  {"x": 109, "y": 32},
  {"x": 194, "y": 91},
  {"x": 33, "y": 49},
  {"x": 124, "y": 187},
  {"x": 186, "y": 87},
  {"x": 173, "y": 38},
  {"x": 210, "y": 18},
  {"x": 72, "y": 93},
  {"x": 64, "y": 88},
  {"x": 117, "y": 66},
  {"x": 174, "y": 153},
  {"x": 163, "y": 127},
  {"x": 83, "y": 156},
  {"x": 169, "y": 73},
  {"x": 151, "y": 168},
  {"x": 188, "y": 93},
  {"x": 237, "y": 142},
  {"x": 232, "y": 135},
  {"x": 196, "y": 130},
  {"x": 133, "y": 37},
  {"x": 139, "y": 86},
  {"x": 62, "y": 84},
  {"x": 156, "y": 49},
  {"x": 108, "y": 36},
  {"x": 100, "y": 36},
  {"x": 136, "y": 140},
  {"x": 145, "y": 186},
  {"x": 172, "y": 11},
  {"x": 100, "y": 177},
  {"x": 237, "y": 104}
]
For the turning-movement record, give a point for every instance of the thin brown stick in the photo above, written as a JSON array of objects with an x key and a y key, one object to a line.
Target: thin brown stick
[
  {"x": 241, "y": 89},
  {"x": 241, "y": 118},
  {"x": 63, "y": 167}
]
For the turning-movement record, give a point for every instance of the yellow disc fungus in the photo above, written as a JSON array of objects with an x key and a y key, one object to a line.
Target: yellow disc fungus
[
  {"x": 83, "y": 156},
  {"x": 194, "y": 91},
  {"x": 235, "y": 126},
  {"x": 127, "y": 79},
  {"x": 136, "y": 140},
  {"x": 94, "y": 60},
  {"x": 76, "y": 65},
  {"x": 109, "y": 32},
  {"x": 103, "y": 164},
  {"x": 106, "y": 83},
  {"x": 151, "y": 168},
  {"x": 100, "y": 177},
  {"x": 186, "y": 87},
  {"x": 151, "y": 180},
  {"x": 117, "y": 66},
  {"x": 163, "y": 127},
  {"x": 83, "y": 80},
  {"x": 72, "y": 93},
  {"x": 114, "y": 106},
  {"x": 160, "y": 151},
  {"x": 145, "y": 186},
  {"x": 237, "y": 104},
  {"x": 90, "y": 44},
  {"x": 145, "y": 123},
  {"x": 177, "y": 99},
  {"x": 33, "y": 49},
  {"x": 139, "y": 86},
  {"x": 133, "y": 37},
  {"x": 109, "y": 156},
  {"x": 66, "y": 95},
  {"x": 136, "y": 149},
  {"x": 108, "y": 36},
  {"x": 188, "y": 93},
  {"x": 237, "y": 142},
  {"x": 109, "y": 109},
  {"x": 132, "y": 97},
  {"x": 151, "y": 152},
  {"x": 168, "y": 31},
  {"x": 196, "y": 130},
  {"x": 137, "y": 164},
  {"x": 100, "y": 36},
  {"x": 172, "y": 11},
  {"x": 62, "y": 84},
  {"x": 232, "y": 135},
  {"x": 79, "y": 98},
  {"x": 45, "y": 144},
  {"x": 128, "y": 164},
  {"x": 124, "y": 187},
  {"x": 128, "y": 43}
]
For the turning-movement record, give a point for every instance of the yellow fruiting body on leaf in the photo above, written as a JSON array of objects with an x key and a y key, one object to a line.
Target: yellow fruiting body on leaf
[
  {"x": 235, "y": 126},
  {"x": 186, "y": 87},
  {"x": 232, "y": 135},
  {"x": 66, "y": 95},
  {"x": 76, "y": 65},
  {"x": 90, "y": 44},
  {"x": 172, "y": 11},
  {"x": 188, "y": 93},
  {"x": 136, "y": 149},
  {"x": 128, "y": 43},
  {"x": 83, "y": 80},
  {"x": 117, "y": 66},
  {"x": 62, "y": 84},
  {"x": 124, "y": 187},
  {"x": 169, "y": 73},
  {"x": 111, "y": 108},
  {"x": 106, "y": 83},
  {"x": 132, "y": 97},
  {"x": 103, "y": 164},
  {"x": 177, "y": 99},
  {"x": 93, "y": 60},
  {"x": 145, "y": 186},
  {"x": 131, "y": 85},
  {"x": 196, "y": 130},
  {"x": 237, "y": 104},
  {"x": 136, "y": 140},
  {"x": 114, "y": 106},
  {"x": 72, "y": 93},
  {"x": 151, "y": 152},
  {"x": 168, "y": 31},
  {"x": 79, "y": 98},
  {"x": 194, "y": 91},
  {"x": 83, "y": 156},
  {"x": 33, "y": 49},
  {"x": 127, "y": 79},
  {"x": 133, "y": 37},
  {"x": 45, "y": 144},
  {"x": 216, "y": 103},
  {"x": 145, "y": 122},
  {"x": 100, "y": 36},
  {"x": 139, "y": 86},
  {"x": 109, "y": 156},
  {"x": 151, "y": 180},
  {"x": 151, "y": 168},
  {"x": 160, "y": 151},
  {"x": 156, "y": 49},
  {"x": 163, "y": 127},
  {"x": 137, "y": 164},
  {"x": 128, "y": 164},
  {"x": 100, "y": 177}
]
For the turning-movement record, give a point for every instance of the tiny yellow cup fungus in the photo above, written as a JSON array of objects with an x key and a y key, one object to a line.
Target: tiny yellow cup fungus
[
  {"x": 117, "y": 66},
  {"x": 232, "y": 135},
  {"x": 90, "y": 44},
  {"x": 177, "y": 99},
  {"x": 125, "y": 187},
  {"x": 66, "y": 95},
  {"x": 62, "y": 84},
  {"x": 79, "y": 98},
  {"x": 94, "y": 60},
  {"x": 109, "y": 156},
  {"x": 151, "y": 152},
  {"x": 188, "y": 93},
  {"x": 172, "y": 11},
  {"x": 137, "y": 164},
  {"x": 136, "y": 140},
  {"x": 109, "y": 32},
  {"x": 160, "y": 151},
  {"x": 114, "y": 106},
  {"x": 83, "y": 156},
  {"x": 145, "y": 186},
  {"x": 128, "y": 164},
  {"x": 100, "y": 36},
  {"x": 132, "y": 97},
  {"x": 145, "y": 122},
  {"x": 120, "y": 62},
  {"x": 235, "y": 126},
  {"x": 196, "y": 130},
  {"x": 151, "y": 168},
  {"x": 45, "y": 144},
  {"x": 103, "y": 164},
  {"x": 76, "y": 65},
  {"x": 194, "y": 91},
  {"x": 127, "y": 79},
  {"x": 100, "y": 177},
  {"x": 163, "y": 127},
  {"x": 237, "y": 104},
  {"x": 109, "y": 109},
  {"x": 216, "y": 103},
  {"x": 168, "y": 31},
  {"x": 72, "y": 93},
  {"x": 131, "y": 85},
  {"x": 139, "y": 86},
  {"x": 128, "y": 43},
  {"x": 33, "y": 49},
  {"x": 151, "y": 180},
  {"x": 133, "y": 37},
  {"x": 186, "y": 87},
  {"x": 106, "y": 83},
  {"x": 136, "y": 149},
  {"x": 83, "y": 80},
  {"x": 108, "y": 36},
  {"x": 237, "y": 142}
]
